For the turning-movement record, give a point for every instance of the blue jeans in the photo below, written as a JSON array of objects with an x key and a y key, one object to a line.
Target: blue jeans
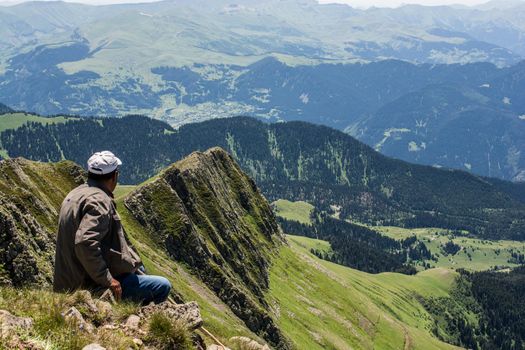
[{"x": 144, "y": 288}]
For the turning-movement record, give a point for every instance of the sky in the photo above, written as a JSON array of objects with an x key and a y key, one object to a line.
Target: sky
[
  {"x": 395, "y": 3},
  {"x": 353, "y": 3}
]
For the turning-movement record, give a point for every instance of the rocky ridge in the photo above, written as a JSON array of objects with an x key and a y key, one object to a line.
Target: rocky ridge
[
  {"x": 30, "y": 197},
  {"x": 205, "y": 212}
]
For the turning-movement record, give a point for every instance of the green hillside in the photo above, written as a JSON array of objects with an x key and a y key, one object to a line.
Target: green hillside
[
  {"x": 311, "y": 303},
  {"x": 474, "y": 254},
  {"x": 296, "y": 211},
  {"x": 328, "y": 306},
  {"x": 295, "y": 161}
]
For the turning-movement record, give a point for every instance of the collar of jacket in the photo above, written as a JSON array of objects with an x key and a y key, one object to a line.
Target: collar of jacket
[{"x": 95, "y": 183}]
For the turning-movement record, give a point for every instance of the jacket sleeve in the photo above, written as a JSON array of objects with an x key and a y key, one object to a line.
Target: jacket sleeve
[{"x": 91, "y": 231}]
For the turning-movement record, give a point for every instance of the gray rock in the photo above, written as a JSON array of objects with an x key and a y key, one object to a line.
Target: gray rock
[
  {"x": 10, "y": 323},
  {"x": 189, "y": 313},
  {"x": 93, "y": 347},
  {"x": 132, "y": 322},
  {"x": 74, "y": 316},
  {"x": 105, "y": 310},
  {"x": 108, "y": 297}
]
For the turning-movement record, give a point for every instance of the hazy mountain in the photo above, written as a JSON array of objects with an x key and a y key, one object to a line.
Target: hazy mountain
[
  {"x": 469, "y": 117},
  {"x": 450, "y": 126},
  {"x": 102, "y": 59},
  {"x": 187, "y": 61}
]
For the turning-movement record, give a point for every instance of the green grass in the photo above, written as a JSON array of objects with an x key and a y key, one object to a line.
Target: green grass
[
  {"x": 16, "y": 120},
  {"x": 123, "y": 190},
  {"x": 311, "y": 243},
  {"x": 296, "y": 211},
  {"x": 321, "y": 305},
  {"x": 484, "y": 254},
  {"x": 165, "y": 333}
]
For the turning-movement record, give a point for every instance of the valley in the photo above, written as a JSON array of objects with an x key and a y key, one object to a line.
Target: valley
[
  {"x": 439, "y": 86},
  {"x": 472, "y": 253}
]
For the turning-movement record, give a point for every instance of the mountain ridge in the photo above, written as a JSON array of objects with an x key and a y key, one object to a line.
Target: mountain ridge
[
  {"x": 189, "y": 209},
  {"x": 294, "y": 307},
  {"x": 295, "y": 161}
]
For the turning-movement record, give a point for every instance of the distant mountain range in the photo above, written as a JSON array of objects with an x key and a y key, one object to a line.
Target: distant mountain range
[
  {"x": 187, "y": 61},
  {"x": 469, "y": 117}
]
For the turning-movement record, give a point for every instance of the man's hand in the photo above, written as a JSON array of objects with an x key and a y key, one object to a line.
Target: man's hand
[{"x": 116, "y": 288}]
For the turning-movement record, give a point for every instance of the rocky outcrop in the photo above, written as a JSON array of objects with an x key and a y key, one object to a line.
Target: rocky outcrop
[
  {"x": 96, "y": 318},
  {"x": 30, "y": 197},
  {"x": 210, "y": 215},
  {"x": 189, "y": 313}
]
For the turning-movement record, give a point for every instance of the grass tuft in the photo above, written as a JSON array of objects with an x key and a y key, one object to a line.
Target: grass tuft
[
  {"x": 169, "y": 334},
  {"x": 124, "y": 309}
]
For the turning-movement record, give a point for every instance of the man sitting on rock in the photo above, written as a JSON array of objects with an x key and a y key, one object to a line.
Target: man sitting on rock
[{"x": 92, "y": 250}]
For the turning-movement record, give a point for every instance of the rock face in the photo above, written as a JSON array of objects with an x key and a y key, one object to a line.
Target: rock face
[
  {"x": 210, "y": 215},
  {"x": 30, "y": 197}
]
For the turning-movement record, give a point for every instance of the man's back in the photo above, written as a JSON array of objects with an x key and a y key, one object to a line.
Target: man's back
[
  {"x": 91, "y": 246},
  {"x": 92, "y": 249}
]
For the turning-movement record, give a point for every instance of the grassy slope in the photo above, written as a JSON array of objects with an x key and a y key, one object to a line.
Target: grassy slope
[
  {"x": 485, "y": 254},
  {"x": 318, "y": 304},
  {"x": 328, "y": 306},
  {"x": 296, "y": 211},
  {"x": 16, "y": 120}
]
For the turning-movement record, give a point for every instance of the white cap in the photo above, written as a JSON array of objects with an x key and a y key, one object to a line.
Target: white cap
[{"x": 103, "y": 162}]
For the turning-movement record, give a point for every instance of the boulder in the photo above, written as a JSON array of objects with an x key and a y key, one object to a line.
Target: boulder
[
  {"x": 189, "y": 312},
  {"x": 10, "y": 323},
  {"x": 132, "y": 322},
  {"x": 74, "y": 316}
]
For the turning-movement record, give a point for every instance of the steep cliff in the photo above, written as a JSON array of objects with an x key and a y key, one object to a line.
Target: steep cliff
[
  {"x": 205, "y": 212},
  {"x": 30, "y": 197}
]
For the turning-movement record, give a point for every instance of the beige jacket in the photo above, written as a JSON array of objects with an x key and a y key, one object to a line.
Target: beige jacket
[{"x": 92, "y": 246}]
